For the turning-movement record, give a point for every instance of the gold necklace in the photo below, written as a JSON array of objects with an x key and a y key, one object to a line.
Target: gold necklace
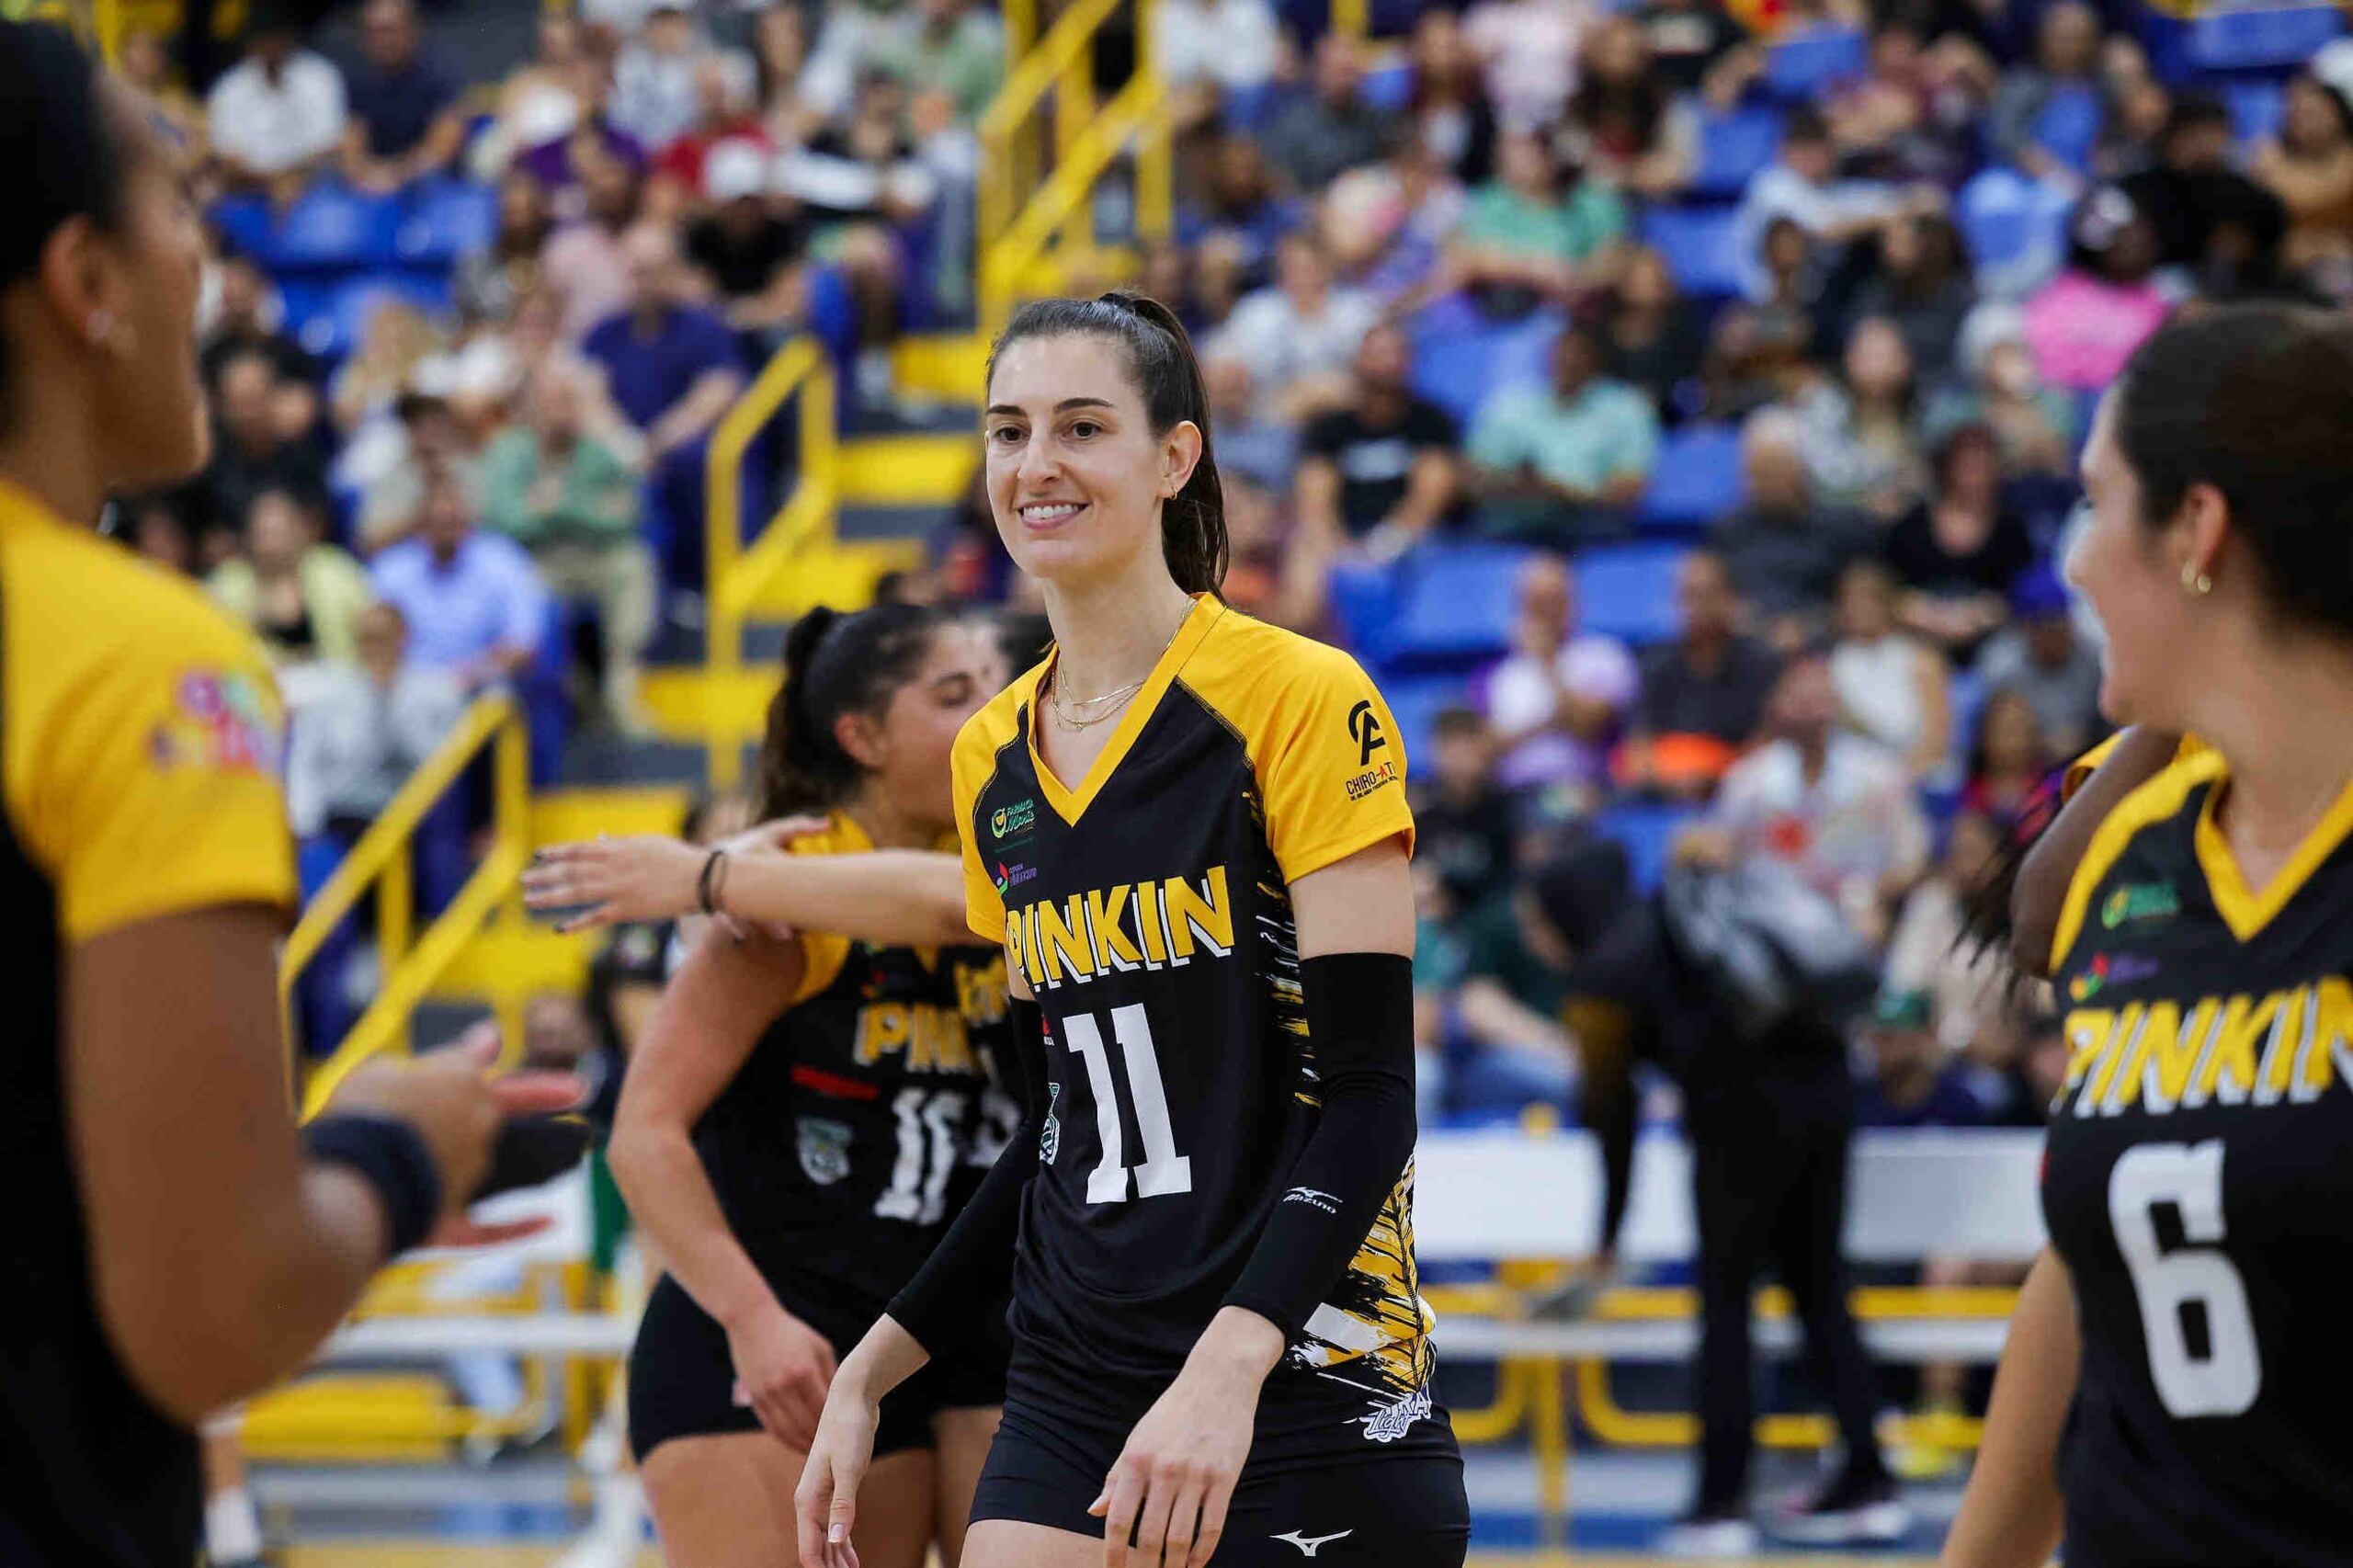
[{"x": 1112, "y": 702}]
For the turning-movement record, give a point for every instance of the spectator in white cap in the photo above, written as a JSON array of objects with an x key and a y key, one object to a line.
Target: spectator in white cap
[{"x": 747, "y": 250}]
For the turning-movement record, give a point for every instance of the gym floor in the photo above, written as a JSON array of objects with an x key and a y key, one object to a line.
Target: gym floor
[{"x": 523, "y": 1515}]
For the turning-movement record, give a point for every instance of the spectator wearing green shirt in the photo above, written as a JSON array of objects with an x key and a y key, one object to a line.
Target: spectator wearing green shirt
[
  {"x": 565, "y": 495},
  {"x": 1557, "y": 464},
  {"x": 950, "y": 46},
  {"x": 1529, "y": 235}
]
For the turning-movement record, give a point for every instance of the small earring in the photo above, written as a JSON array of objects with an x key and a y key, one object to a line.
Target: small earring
[
  {"x": 100, "y": 328},
  {"x": 2195, "y": 581}
]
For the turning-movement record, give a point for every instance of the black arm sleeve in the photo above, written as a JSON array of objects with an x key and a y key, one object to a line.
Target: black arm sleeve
[
  {"x": 1360, "y": 1024},
  {"x": 974, "y": 1262}
]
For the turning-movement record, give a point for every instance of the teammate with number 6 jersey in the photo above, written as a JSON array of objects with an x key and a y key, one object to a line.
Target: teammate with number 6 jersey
[
  {"x": 2175, "y": 1388},
  {"x": 1188, "y": 830},
  {"x": 796, "y": 1129}
]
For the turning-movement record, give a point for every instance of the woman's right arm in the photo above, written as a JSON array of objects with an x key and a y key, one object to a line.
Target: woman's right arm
[
  {"x": 711, "y": 1016},
  {"x": 2012, "y": 1515},
  {"x": 220, "y": 1251},
  {"x": 890, "y": 897}
]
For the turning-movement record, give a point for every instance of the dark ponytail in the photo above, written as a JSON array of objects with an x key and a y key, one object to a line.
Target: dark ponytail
[
  {"x": 1161, "y": 362},
  {"x": 64, "y": 159},
  {"x": 834, "y": 664},
  {"x": 2254, "y": 400}
]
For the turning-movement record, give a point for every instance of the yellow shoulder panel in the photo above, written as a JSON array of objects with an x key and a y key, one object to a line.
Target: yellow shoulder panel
[
  {"x": 2156, "y": 800},
  {"x": 145, "y": 733},
  {"x": 1329, "y": 761}
]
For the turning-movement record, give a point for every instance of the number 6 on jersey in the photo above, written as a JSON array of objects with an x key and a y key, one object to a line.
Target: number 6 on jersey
[
  {"x": 2225, "y": 1379},
  {"x": 1164, "y": 1170}
]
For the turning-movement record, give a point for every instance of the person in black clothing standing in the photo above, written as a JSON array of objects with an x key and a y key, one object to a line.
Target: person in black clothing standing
[{"x": 1768, "y": 1112}]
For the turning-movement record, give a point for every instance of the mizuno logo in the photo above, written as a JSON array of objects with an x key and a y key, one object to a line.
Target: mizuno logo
[
  {"x": 1308, "y": 1544},
  {"x": 1308, "y": 1195}
]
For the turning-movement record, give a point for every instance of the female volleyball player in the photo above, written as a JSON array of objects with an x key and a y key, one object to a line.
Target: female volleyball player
[
  {"x": 792, "y": 1130},
  {"x": 1189, "y": 831},
  {"x": 2174, "y": 1385},
  {"x": 172, "y": 1245}
]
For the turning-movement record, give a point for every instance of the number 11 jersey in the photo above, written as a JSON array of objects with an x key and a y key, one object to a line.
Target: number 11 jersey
[
  {"x": 2199, "y": 1182},
  {"x": 1148, "y": 906}
]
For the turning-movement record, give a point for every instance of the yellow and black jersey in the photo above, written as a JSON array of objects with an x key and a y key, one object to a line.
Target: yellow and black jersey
[
  {"x": 140, "y": 737},
  {"x": 849, "y": 1137},
  {"x": 2199, "y": 1174},
  {"x": 1148, "y": 907}
]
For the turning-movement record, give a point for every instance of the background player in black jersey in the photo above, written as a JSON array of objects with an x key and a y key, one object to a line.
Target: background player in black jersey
[
  {"x": 1200, "y": 858},
  {"x": 793, "y": 1123},
  {"x": 2174, "y": 1386},
  {"x": 172, "y": 1246}
]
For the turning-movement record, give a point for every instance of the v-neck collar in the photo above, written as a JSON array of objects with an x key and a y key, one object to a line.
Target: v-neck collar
[
  {"x": 2245, "y": 910},
  {"x": 1071, "y": 804}
]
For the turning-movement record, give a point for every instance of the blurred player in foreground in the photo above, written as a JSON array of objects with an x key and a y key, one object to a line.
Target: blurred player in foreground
[{"x": 177, "y": 1242}]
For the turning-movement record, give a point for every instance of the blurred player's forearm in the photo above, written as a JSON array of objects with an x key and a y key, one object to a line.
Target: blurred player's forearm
[{"x": 2011, "y": 1516}]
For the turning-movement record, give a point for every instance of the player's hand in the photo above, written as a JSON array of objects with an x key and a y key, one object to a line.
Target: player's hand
[
  {"x": 611, "y": 882},
  {"x": 1175, "y": 1477},
  {"x": 458, "y": 1108},
  {"x": 782, "y": 1370},
  {"x": 826, "y": 1503}
]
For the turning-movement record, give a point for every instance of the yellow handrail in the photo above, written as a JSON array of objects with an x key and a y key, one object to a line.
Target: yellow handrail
[
  {"x": 1018, "y": 227},
  {"x": 381, "y": 858},
  {"x": 1009, "y": 267},
  {"x": 739, "y": 572},
  {"x": 1068, "y": 43}
]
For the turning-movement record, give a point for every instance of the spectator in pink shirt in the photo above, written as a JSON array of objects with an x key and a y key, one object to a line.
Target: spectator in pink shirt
[{"x": 2086, "y": 323}]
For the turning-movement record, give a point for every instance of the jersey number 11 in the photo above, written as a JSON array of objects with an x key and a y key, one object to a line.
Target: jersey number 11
[{"x": 1164, "y": 1170}]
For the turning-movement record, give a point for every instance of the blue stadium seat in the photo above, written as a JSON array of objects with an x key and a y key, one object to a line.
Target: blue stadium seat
[
  {"x": 2015, "y": 230},
  {"x": 244, "y": 222},
  {"x": 2257, "y": 109},
  {"x": 1416, "y": 701},
  {"x": 1461, "y": 358},
  {"x": 1454, "y": 607},
  {"x": 1627, "y": 591},
  {"x": 2069, "y": 126},
  {"x": 1733, "y": 149},
  {"x": 338, "y": 318},
  {"x": 1807, "y": 64},
  {"x": 1697, "y": 479},
  {"x": 333, "y": 229},
  {"x": 1363, "y": 597},
  {"x": 1388, "y": 88},
  {"x": 2262, "y": 38},
  {"x": 1698, "y": 243},
  {"x": 447, "y": 220},
  {"x": 1646, "y": 830}
]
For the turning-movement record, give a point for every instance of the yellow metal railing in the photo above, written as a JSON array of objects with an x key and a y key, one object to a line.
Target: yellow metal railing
[
  {"x": 1031, "y": 228},
  {"x": 381, "y": 860},
  {"x": 740, "y": 570}
]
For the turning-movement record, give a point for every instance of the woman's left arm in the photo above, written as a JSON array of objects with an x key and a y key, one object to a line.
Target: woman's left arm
[{"x": 1354, "y": 921}]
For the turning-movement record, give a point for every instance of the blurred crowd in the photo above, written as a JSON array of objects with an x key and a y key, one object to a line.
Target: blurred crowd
[{"x": 1512, "y": 284}]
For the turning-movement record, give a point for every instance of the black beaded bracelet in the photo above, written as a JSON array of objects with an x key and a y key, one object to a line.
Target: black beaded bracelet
[
  {"x": 705, "y": 890},
  {"x": 393, "y": 1158}
]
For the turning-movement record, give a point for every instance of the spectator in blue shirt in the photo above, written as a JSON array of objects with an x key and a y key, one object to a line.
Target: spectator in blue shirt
[
  {"x": 1913, "y": 1082},
  {"x": 673, "y": 369},
  {"x": 474, "y": 602},
  {"x": 404, "y": 122}
]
